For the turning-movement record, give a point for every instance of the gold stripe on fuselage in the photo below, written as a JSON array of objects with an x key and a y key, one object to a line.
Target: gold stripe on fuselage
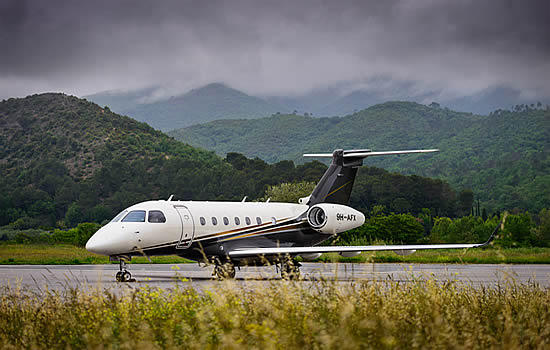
[
  {"x": 276, "y": 229},
  {"x": 218, "y": 234}
]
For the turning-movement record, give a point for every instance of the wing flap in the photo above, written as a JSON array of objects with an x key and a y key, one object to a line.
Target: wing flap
[{"x": 341, "y": 249}]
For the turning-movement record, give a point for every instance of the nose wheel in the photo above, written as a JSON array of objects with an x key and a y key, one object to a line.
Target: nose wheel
[{"x": 123, "y": 275}]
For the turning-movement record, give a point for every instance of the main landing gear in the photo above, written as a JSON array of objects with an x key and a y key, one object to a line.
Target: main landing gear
[
  {"x": 123, "y": 275},
  {"x": 290, "y": 269},
  {"x": 224, "y": 271}
]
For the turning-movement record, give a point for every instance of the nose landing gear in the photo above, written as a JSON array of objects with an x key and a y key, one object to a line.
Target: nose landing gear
[{"x": 124, "y": 275}]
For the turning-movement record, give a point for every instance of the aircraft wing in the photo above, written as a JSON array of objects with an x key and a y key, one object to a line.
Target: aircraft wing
[{"x": 339, "y": 249}]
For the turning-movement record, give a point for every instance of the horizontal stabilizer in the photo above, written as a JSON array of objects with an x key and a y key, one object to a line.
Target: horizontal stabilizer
[{"x": 368, "y": 153}]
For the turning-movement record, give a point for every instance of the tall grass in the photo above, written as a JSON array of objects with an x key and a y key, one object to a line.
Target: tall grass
[{"x": 281, "y": 315}]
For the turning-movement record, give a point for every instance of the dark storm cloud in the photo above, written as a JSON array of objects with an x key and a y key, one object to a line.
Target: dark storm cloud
[{"x": 272, "y": 47}]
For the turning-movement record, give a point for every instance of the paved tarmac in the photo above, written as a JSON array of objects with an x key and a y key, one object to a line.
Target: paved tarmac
[{"x": 59, "y": 277}]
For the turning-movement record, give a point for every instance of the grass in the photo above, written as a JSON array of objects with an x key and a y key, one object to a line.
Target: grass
[
  {"x": 44, "y": 254},
  {"x": 65, "y": 254},
  {"x": 281, "y": 315}
]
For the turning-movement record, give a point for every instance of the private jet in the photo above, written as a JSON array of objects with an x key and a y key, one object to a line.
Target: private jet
[{"x": 232, "y": 234}]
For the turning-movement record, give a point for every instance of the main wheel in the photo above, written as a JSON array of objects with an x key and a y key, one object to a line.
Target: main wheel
[
  {"x": 290, "y": 271},
  {"x": 225, "y": 271},
  {"x": 119, "y": 276}
]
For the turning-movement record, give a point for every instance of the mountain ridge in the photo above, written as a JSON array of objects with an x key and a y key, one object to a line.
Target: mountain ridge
[
  {"x": 65, "y": 160},
  {"x": 210, "y": 102},
  {"x": 503, "y": 157}
]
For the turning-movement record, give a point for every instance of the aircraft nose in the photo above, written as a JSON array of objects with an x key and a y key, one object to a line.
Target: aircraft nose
[
  {"x": 110, "y": 240},
  {"x": 95, "y": 244}
]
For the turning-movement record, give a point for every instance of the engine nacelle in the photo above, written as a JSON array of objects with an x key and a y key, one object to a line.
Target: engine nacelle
[
  {"x": 334, "y": 218},
  {"x": 310, "y": 256},
  {"x": 404, "y": 252}
]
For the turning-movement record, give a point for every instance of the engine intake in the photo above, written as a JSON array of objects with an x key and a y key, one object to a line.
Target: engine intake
[{"x": 334, "y": 218}]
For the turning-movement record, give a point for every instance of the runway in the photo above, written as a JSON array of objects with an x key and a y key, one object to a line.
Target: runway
[{"x": 167, "y": 276}]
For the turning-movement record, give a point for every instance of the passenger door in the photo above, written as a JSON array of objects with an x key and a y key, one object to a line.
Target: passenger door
[{"x": 187, "y": 227}]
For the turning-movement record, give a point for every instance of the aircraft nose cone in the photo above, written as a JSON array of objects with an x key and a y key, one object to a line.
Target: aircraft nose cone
[{"x": 94, "y": 245}]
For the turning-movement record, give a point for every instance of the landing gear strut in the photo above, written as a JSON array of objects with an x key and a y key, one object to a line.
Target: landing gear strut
[
  {"x": 225, "y": 271},
  {"x": 123, "y": 275},
  {"x": 290, "y": 269}
]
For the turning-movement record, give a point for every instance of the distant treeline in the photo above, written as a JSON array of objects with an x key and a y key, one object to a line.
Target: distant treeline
[
  {"x": 520, "y": 230},
  {"x": 46, "y": 195}
]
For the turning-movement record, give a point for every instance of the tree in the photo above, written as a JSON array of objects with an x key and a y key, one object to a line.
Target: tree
[
  {"x": 542, "y": 233},
  {"x": 465, "y": 201},
  {"x": 289, "y": 192},
  {"x": 74, "y": 215}
]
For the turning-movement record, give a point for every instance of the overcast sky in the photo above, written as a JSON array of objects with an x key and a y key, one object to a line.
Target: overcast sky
[{"x": 272, "y": 47}]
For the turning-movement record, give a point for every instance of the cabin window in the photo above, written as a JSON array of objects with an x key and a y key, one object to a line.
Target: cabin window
[
  {"x": 214, "y": 221},
  {"x": 225, "y": 220},
  {"x": 120, "y": 215},
  {"x": 247, "y": 220},
  {"x": 273, "y": 220},
  {"x": 237, "y": 221},
  {"x": 156, "y": 216},
  {"x": 258, "y": 220},
  {"x": 135, "y": 216},
  {"x": 203, "y": 221}
]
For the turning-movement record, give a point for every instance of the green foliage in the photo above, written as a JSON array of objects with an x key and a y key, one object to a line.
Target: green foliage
[
  {"x": 73, "y": 215},
  {"x": 502, "y": 157},
  {"x": 467, "y": 229},
  {"x": 77, "y": 236},
  {"x": 393, "y": 228},
  {"x": 518, "y": 231},
  {"x": 543, "y": 231},
  {"x": 402, "y": 194},
  {"x": 289, "y": 192}
]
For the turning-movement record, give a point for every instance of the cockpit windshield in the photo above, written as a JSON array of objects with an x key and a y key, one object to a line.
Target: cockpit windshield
[
  {"x": 120, "y": 215},
  {"x": 135, "y": 216}
]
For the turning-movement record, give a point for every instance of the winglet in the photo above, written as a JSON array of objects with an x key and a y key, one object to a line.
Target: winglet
[{"x": 495, "y": 231}]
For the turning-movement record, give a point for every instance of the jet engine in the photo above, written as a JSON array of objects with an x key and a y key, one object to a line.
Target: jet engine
[{"x": 334, "y": 218}]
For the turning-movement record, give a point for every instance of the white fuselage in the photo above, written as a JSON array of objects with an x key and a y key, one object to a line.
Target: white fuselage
[{"x": 153, "y": 227}]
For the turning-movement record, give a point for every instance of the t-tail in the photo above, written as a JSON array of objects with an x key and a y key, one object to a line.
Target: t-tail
[{"x": 336, "y": 184}]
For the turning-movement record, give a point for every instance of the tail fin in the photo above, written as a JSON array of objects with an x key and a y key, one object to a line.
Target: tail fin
[{"x": 336, "y": 184}]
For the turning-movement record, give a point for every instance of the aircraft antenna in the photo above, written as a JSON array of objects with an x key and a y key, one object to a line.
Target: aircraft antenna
[
  {"x": 170, "y": 198},
  {"x": 244, "y": 199}
]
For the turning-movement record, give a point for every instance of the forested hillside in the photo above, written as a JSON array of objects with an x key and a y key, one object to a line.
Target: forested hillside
[
  {"x": 65, "y": 160},
  {"x": 503, "y": 157},
  {"x": 201, "y": 105}
]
